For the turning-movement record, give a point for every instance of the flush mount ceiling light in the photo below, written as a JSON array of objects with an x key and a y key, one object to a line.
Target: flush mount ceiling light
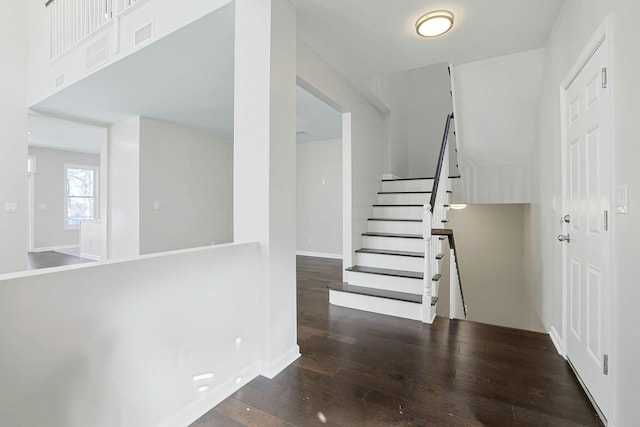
[
  {"x": 458, "y": 205},
  {"x": 434, "y": 23}
]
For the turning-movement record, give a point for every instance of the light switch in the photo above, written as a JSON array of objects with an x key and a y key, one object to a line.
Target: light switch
[
  {"x": 156, "y": 206},
  {"x": 622, "y": 195},
  {"x": 11, "y": 207},
  {"x": 42, "y": 206}
]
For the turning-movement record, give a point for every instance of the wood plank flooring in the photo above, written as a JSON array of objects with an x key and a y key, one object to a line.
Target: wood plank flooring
[
  {"x": 46, "y": 259},
  {"x": 363, "y": 369}
]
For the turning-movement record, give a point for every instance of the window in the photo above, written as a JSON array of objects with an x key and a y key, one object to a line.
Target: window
[{"x": 81, "y": 201}]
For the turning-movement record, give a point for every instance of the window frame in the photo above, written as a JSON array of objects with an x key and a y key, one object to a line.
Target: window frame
[{"x": 96, "y": 190}]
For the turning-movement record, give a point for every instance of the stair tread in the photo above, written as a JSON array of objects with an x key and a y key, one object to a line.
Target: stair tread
[
  {"x": 380, "y": 293},
  {"x": 404, "y": 236},
  {"x": 395, "y": 219},
  {"x": 397, "y": 206},
  {"x": 390, "y": 252},
  {"x": 413, "y": 179},
  {"x": 404, "y": 192},
  {"x": 436, "y": 277},
  {"x": 386, "y": 272},
  {"x": 439, "y": 256}
]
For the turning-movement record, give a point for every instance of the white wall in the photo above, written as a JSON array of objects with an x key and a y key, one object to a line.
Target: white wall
[
  {"x": 429, "y": 103},
  {"x": 49, "y": 196},
  {"x": 265, "y": 164},
  {"x": 124, "y": 189},
  {"x": 577, "y": 22},
  {"x": 190, "y": 175},
  {"x": 118, "y": 343},
  {"x": 418, "y": 101},
  {"x": 490, "y": 240},
  {"x": 497, "y": 125},
  {"x": 319, "y": 198},
  {"x": 13, "y": 135},
  {"x": 364, "y": 143}
]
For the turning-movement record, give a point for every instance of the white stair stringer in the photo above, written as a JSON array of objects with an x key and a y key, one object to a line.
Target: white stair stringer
[
  {"x": 390, "y": 307},
  {"x": 405, "y": 285}
]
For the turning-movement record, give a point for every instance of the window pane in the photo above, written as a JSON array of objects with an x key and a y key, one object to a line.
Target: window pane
[
  {"x": 79, "y": 208},
  {"x": 80, "y": 182}
]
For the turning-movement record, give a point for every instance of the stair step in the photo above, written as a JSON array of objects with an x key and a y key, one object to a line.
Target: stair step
[
  {"x": 436, "y": 277},
  {"x": 404, "y": 192},
  {"x": 411, "y": 184},
  {"x": 397, "y": 206},
  {"x": 439, "y": 256},
  {"x": 391, "y": 252},
  {"x": 402, "y": 236},
  {"x": 380, "y": 293},
  {"x": 395, "y": 219},
  {"x": 387, "y": 272}
]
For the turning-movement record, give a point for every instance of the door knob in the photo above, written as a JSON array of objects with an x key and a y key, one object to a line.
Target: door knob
[
  {"x": 564, "y": 238},
  {"x": 567, "y": 218}
]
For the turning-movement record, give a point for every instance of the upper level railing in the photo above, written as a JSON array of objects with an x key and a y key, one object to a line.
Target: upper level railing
[{"x": 72, "y": 21}]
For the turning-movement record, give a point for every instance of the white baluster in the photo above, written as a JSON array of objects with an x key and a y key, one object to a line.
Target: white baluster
[{"x": 428, "y": 314}]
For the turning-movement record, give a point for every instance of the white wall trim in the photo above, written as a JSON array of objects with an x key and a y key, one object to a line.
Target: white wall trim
[
  {"x": 210, "y": 399},
  {"x": 89, "y": 256},
  {"x": 319, "y": 254},
  {"x": 389, "y": 176},
  {"x": 55, "y": 248},
  {"x": 271, "y": 369},
  {"x": 557, "y": 341}
]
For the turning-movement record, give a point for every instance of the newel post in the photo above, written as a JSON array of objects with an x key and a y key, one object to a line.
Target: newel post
[{"x": 428, "y": 311}]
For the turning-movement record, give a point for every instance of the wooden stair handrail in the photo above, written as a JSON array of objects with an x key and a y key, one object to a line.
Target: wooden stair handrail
[{"x": 436, "y": 180}]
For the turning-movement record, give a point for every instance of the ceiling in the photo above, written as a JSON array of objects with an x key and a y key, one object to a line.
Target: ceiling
[
  {"x": 187, "y": 77},
  {"x": 48, "y": 132}
]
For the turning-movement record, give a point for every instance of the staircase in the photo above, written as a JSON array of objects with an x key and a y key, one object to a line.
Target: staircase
[
  {"x": 398, "y": 269},
  {"x": 388, "y": 275}
]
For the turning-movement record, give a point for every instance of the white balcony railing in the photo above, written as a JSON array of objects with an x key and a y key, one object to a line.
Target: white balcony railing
[{"x": 72, "y": 21}]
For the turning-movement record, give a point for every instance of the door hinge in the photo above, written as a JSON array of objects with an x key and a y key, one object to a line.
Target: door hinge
[
  {"x": 604, "y": 78},
  {"x": 605, "y": 364},
  {"x": 606, "y": 220}
]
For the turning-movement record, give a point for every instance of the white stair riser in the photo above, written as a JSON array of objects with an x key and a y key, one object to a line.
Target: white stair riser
[
  {"x": 404, "y": 199},
  {"x": 393, "y": 262},
  {"x": 406, "y": 310},
  {"x": 393, "y": 243},
  {"x": 389, "y": 283},
  {"x": 408, "y": 185},
  {"x": 400, "y": 227},
  {"x": 398, "y": 212}
]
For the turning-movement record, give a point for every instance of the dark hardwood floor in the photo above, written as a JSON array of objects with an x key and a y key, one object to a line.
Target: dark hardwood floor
[
  {"x": 363, "y": 369},
  {"x": 48, "y": 259}
]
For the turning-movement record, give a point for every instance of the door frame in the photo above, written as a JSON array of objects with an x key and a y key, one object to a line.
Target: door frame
[{"x": 602, "y": 36}]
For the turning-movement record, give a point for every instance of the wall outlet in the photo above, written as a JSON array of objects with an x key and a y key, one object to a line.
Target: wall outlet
[
  {"x": 156, "y": 206},
  {"x": 11, "y": 207}
]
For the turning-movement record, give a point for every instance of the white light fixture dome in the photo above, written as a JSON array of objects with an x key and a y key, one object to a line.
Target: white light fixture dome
[{"x": 434, "y": 23}]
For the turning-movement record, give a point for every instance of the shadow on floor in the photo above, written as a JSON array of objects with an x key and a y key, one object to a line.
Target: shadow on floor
[{"x": 48, "y": 259}]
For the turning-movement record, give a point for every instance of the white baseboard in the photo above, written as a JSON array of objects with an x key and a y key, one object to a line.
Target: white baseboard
[
  {"x": 389, "y": 176},
  {"x": 211, "y": 398},
  {"x": 319, "y": 254},
  {"x": 557, "y": 341},
  {"x": 55, "y": 248},
  {"x": 270, "y": 370}
]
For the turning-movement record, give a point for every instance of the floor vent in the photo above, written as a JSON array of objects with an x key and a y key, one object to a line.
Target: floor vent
[
  {"x": 143, "y": 35},
  {"x": 97, "y": 53}
]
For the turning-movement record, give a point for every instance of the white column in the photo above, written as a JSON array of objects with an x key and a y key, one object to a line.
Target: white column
[
  {"x": 265, "y": 164},
  {"x": 13, "y": 136}
]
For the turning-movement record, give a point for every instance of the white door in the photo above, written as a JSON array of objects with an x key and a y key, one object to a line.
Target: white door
[{"x": 587, "y": 260}]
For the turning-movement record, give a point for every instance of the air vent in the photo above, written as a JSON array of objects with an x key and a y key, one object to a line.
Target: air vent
[
  {"x": 97, "y": 53},
  {"x": 60, "y": 80},
  {"x": 143, "y": 35}
]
